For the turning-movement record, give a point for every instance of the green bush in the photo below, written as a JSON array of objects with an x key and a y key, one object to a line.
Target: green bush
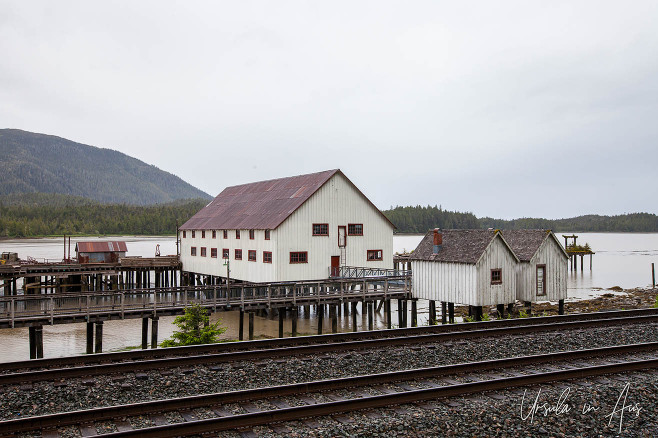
[{"x": 195, "y": 328}]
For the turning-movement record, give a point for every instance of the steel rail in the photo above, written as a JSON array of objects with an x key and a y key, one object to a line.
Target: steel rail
[
  {"x": 208, "y": 359},
  {"x": 305, "y": 340},
  {"x": 205, "y": 400}
]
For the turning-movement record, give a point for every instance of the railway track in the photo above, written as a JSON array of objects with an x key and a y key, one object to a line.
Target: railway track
[
  {"x": 34, "y": 371},
  {"x": 237, "y": 409}
]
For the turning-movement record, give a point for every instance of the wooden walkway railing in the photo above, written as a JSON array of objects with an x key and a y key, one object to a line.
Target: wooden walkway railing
[
  {"x": 72, "y": 307},
  {"x": 359, "y": 272}
]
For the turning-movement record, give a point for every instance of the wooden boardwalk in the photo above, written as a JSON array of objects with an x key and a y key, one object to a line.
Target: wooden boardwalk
[{"x": 63, "y": 308}]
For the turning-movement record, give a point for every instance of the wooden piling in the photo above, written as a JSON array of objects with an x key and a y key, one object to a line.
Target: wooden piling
[
  {"x": 444, "y": 316},
  {"x": 414, "y": 313},
  {"x": 145, "y": 333},
  {"x": 432, "y": 315},
  {"x": 154, "y": 331},
  {"x": 653, "y": 276},
  {"x": 389, "y": 315},
  {"x": 501, "y": 311},
  {"x": 320, "y": 314},
  {"x": 90, "y": 337},
  {"x": 295, "y": 314},
  {"x": 400, "y": 314},
  {"x": 33, "y": 342},
  {"x": 251, "y": 326},
  {"x": 354, "y": 327},
  {"x": 560, "y": 310},
  {"x": 333, "y": 314},
  {"x": 38, "y": 338},
  {"x": 241, "y": 326},
  {"x": 282, "y": 313},
  {"x": 371, "y": 316},
  {"x": 99, "y": 337},
  {"x": 451, "y": 313}
]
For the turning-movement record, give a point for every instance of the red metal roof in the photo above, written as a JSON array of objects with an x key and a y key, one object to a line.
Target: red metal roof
[
  {"x": 261, "y": 205},
  {"x": 115, "y": 246}
]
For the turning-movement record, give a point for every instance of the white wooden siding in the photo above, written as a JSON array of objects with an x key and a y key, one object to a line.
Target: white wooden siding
[
  {"x": 450, "y": 282},
  {"x": 336, "y": 203},
  {"x": 550, "y": 254},
  {"x": 496, "y": 256}
]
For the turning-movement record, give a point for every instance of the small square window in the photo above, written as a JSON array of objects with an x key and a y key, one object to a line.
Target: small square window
[
  {"x": 203, "y": 234},
  {"x": 320, "y": 229},
  {"x": 225, "y": 253},
  {"x": 251, "y": 256},
  {"x": 252, "y": 234},
  {"x": 214, "y": 234},
  {"x": 203, "y": 251},
  {"x": 237, "y": 234},
  {"x": 225, "y": 234},
  {"x": 193, "y": 251},
  {"x": 238, "y": 254},
  {"x": 355, "y": 229},
  {"x": 193, "y": 234},
  {"x": 267, "y": 257},
  {"x": 267, "y": 234},
  {"x": 374, "y": 255},
  {"x": 213, "y": 253},
  {"x": 496, "y": 276}
]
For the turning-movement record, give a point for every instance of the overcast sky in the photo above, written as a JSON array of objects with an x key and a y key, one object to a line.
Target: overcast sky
[{"x": 505, "y": 109}]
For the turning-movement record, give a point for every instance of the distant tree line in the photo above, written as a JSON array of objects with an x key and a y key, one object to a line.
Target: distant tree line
[
  {"x": 419, "y": 219},
  {"x": 69, "y": 215}
]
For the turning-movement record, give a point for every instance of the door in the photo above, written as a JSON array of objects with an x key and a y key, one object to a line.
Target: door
[
  {"x": 342, "y": 233},
  {"x": 335, "y": 266},
  {"x": 541, "y": 280}
]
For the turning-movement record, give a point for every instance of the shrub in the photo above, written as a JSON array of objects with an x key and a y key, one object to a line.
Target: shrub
[{"x": 195, "y": 328}]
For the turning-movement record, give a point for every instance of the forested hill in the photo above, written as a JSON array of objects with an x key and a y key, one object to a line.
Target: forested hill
[
  {"x": 420, "y": 219},
  {"x": 44, "y": 163}
]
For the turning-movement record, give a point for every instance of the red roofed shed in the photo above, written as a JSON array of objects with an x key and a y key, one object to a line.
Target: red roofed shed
[{"x": 100, "y": 252}]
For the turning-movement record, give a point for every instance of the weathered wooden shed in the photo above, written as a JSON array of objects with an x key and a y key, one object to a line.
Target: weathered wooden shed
[
  {"x": 473, "y": 267},
  {"x": 100, "y": 252},
  {"x": 542, "y": 272}
]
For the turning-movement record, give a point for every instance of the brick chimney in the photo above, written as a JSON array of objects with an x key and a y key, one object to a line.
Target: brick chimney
[{"x": 438, "y": 240}]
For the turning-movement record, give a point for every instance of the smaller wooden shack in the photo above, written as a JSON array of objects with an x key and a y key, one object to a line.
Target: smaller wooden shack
[
  {"x": 100, "y": 252},
  {"x": 542, "y": 273},
  {"x": 473, "y": 267}
]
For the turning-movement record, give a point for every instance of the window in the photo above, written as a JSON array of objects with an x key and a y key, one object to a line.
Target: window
[
  {"x": 214, "y": 234},
  {"x": 193, "y": 234},
  {"x": 267, "y": 257},
  {"x": 355, "y": 229},
  {"x": 237, "y": 234},
  {"x": 541, "y": 279},
  {"x": 203, "y": 251},
  {"x": 374, "y": 254},
  {"x": 238, "y": 254},
  {"x": 225, "y": 253},
  {"x": 225, "y": 234},
  {"x": 193, "y": 251},
  {"x": 184, "y": 234},
  {"x": 299, "y": 257},
  {"x": 203, "y": 234},
  {"x": 267, "y": 234},
  {"x": 496, "y": 276},
  {"x": 320, "y": 229},
  {"x": 252, "y": 234},
  {"x": 213, "y": 253},
  {"x": 251, "y": 256}
]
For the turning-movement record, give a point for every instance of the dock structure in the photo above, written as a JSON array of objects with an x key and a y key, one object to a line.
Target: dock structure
[
  {"x": 95, "y": 307},
  {"x": 574, "y": 250}
]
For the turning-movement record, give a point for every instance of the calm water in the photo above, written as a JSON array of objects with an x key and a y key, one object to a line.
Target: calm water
[{"x": 621, "y": 260}]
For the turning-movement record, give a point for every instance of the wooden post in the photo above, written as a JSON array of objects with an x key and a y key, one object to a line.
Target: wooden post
[
  {"x": 90, "y": 337},
  {"x": 560, "y": 309},
  {"x": 333, "y": 314},
  {"x": 38, "y": 338},
  {"x": 653, "y": 276},
  {"x": 404, "y": 314},
  {"x": 510, "y": 308},
  {"x": 451, "y": 313},
  {"x": 251, "y": 326},
  {"x": 295, "y": 314},
  {"x": 354, "y": 328},
  {"x": 282, "y": 313},
  {"x": 400, "y": 314},
  {"x": 528, "y": 305},
  {"x": 590, "y": 262},
  {"x": 31, "y": 334},
  {"x": 478, "y": 313},
  {"x": 145, "y": 333},
  {"x": 154, "y": 331},
  {"x": 501, "y": 311},
  {"x": 414, "y": 313},
  {"x": 432, "y": 316},
  {"x": 320, "y": 314},
  {"x": 389, "y": 315},
  {"x": 99, "y": 337},
  {"x": 582, "y": 263},
  {"x": 371, "y": 316},
  {"x": 241, "y": 326},
  {"x": 444, "y": 313}
]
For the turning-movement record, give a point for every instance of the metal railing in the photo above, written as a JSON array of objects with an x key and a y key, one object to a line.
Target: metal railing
[
  {"x": 360, "y": 272},
  {"x": 87, "y": 304}
]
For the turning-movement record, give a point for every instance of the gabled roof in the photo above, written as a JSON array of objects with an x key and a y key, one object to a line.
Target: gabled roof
[
  {"x": 261, "y": 205},
  {"x": 115, "y": 246},
  {"x": 459, "y": 246},
  {"x": 525, "y": 243}
]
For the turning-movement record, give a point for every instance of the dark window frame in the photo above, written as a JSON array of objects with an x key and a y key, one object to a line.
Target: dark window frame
[
  {"x": 252, "y": 234},
  {"x": 237, "y": 234},
  {"x": 237, "y": 254},
  {"x": 193, "y": 251},
  {"x": 193, "y": 234},
  {"x": 381, "y": 255},
  {"x": 543, "y": 294},
  {"x": 213, "y": 253},
  {"x": 326, "y": 228},
  {"x": 214, "y": 234},
  {"x": 265, "y": 256},
  {"x": 225, "y": 234},
  {"x": 204, "y": 251},
  {"x": 267, "y": 234},
  {"x": 184, "y": 234},
  {"x": 251, "y": 252},
  {"x": 350, "y": 233},
  {"x": 226, "y": 253},
  {"x": 297, "y": 256},
  {"x": 203, "y": 234},
  {"x": 499, "y": 279}
]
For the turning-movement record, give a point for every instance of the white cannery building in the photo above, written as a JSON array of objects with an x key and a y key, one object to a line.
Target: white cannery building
[{"x": 289, "y": 229}]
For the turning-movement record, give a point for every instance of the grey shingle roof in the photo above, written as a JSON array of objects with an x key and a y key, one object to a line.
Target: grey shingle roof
[
  {"x": 459, "y": 246},
  {"x": 525, "y": 243}
]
